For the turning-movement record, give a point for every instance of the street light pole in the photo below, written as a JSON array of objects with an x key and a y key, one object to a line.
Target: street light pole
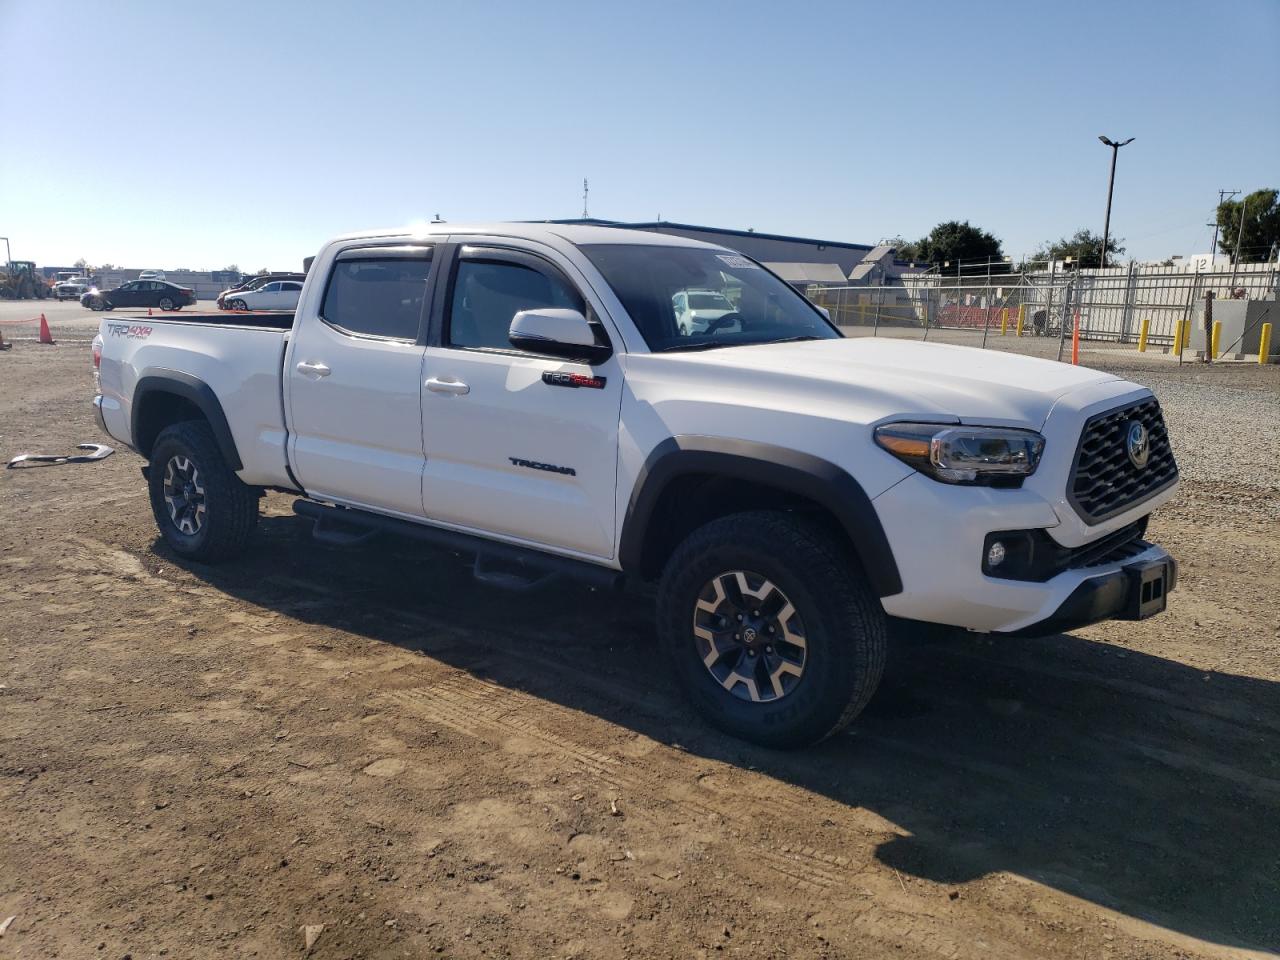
[{"x": 1106, "y": 227}]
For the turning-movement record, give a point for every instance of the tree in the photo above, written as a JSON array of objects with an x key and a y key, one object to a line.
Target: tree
[
  {"x": 263, "y": 271},
  {"x": 902, "y": 248},
  {"x": 958, "y": 243},
  {"x": 231, "y": 268},
  {"x": 1083, "y": 247},
  {"x": 107, "y": 266},
  {"x": 82, "y": 264},
  {"x": 1261, "y": 226}
]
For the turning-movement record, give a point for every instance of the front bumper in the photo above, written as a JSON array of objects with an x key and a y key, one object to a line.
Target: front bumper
[
  {"x": 1137, "y": 590},
  {"x": 937, "y": 532}
]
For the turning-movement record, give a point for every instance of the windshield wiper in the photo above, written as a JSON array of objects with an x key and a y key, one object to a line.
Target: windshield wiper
[
  {"x": 801, "y": 339},
  {"x": 690, "y": 347},
  {"x": 713, "y": 345}
]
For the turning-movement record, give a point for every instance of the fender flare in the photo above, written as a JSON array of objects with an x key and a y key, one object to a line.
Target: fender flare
[
  {"x": 802, "y": 474},
  {"x": 197, "y": 392}
]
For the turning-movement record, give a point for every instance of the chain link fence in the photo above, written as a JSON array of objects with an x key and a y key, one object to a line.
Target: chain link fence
[{"x": 1037, "y": 312}]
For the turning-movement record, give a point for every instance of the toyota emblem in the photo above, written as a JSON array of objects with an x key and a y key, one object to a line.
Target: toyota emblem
[{"x": 1137, "y": 444}]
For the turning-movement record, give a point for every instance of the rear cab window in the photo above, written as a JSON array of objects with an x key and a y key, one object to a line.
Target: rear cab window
[{"x": 372, "y": 294}]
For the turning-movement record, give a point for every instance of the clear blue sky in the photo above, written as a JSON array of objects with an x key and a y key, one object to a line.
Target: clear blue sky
[{"x": 204, "y": 133}]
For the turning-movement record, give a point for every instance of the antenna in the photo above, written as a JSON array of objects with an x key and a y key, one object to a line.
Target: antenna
[{"x": 585, "y": 190}]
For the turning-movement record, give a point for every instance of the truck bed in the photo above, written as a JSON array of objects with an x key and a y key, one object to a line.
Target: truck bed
[{"x": 236, "y": 356}]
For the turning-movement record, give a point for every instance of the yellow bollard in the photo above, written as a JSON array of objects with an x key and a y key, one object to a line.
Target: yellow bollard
[
  {"x": 1004, "y": 321},
  {"x": 1022, "y": 317},
  {"x": 1264, "y": 344},
  {"x": 1142, "y": 334},
  {"x": 1178, "y": 342},
  {"x": 1214, "y": 338}
]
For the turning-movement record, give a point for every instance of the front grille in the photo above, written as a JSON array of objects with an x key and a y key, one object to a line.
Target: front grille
[
  {"x": 1104, "y": 481},
  {"x": 1116, "y": 547}
]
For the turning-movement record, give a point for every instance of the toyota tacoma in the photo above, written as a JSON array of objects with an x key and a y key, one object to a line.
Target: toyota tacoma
[{"x": 529, "y": 394}]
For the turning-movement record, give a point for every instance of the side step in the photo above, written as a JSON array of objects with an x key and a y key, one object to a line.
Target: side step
[{"x": 344, "y": 526}]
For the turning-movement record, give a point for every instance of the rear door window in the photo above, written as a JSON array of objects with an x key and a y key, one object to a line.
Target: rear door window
[{"x": 378, "y": 296}]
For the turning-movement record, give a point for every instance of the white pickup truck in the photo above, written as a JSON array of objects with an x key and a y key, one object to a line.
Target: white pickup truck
[{"x": 526, "y": 393}]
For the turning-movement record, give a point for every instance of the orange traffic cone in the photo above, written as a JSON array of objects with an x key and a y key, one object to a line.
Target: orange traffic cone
[
  {"x": 148, "y": 311},
  {"x": 45, "y": 335}
]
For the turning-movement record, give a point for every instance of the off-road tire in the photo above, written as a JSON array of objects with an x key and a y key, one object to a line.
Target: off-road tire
[
  {"x": 231, "y": 507},
  {"x": 845, "y": 627}
]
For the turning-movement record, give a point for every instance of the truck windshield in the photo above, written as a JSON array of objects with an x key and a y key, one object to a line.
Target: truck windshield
[{"x": 667, "y": 292}]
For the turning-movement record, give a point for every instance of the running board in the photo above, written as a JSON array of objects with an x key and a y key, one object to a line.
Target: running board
[{"x": 545, "y": 567}]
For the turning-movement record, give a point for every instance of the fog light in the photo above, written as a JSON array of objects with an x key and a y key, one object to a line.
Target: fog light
[{"x": 995, "y": 555}]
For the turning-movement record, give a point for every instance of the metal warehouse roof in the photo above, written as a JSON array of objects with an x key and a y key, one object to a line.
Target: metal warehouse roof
[
  {"x": 808, "y": 272},
  {"x": 724, "y": 231}
]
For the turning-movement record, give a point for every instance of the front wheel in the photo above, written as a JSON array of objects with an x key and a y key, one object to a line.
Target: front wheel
[
  {"x": 204, "y": 511},
  {"x": 97, "y": 304},
  {"x": 771, "y": 628},
  {"x": 238, "y": 305}
]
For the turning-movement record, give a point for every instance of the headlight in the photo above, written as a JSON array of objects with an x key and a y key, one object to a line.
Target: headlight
[{"x": 986, "y": 456}]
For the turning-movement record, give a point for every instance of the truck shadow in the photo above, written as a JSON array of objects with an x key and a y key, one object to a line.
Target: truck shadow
[{"x": 1134, "y": 782}]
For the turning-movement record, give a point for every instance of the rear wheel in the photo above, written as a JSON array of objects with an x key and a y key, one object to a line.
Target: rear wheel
[
  {"x": 771, "y": 628},
  {"x": 203, "y": 510},
  {"x": 166, "y": 303}
]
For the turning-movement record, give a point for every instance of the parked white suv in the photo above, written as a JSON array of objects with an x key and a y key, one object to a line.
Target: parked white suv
[
  {"x": 72, "y": 288},
  {"x": 527, "y": 392}
]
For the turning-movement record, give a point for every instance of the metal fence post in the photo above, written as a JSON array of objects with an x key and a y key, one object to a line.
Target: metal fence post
[
  {"x": 1066, "y": 312},
  {"x": 1186, "y": 310},
  {"x": 875, "y": 328},
  {"x": 1048, "y": 308},
  {"x": 1208, "y": 327},
  {"x": 1126, "y": 313}
]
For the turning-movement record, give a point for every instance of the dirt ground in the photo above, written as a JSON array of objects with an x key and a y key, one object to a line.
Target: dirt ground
[{"x": 199, "y": 762}]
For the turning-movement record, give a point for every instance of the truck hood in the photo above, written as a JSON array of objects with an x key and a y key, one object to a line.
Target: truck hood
[{"x": 884, "y": 378}]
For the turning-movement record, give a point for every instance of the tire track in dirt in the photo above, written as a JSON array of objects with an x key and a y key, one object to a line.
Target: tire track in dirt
[{"x": 489, "y": 712}]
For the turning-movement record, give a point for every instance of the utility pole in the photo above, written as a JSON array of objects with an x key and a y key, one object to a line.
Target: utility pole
[
  {"x": 1106, "y": 226},
  {"x": 1223, "y": 196},
  {"x": 1235, "y": 261},
  {"x": 585, "y": 188}
]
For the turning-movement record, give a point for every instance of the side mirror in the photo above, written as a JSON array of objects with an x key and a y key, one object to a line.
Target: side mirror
[{"x": 557, "y": 332}]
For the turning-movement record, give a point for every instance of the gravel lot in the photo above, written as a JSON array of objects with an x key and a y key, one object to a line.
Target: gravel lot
[{"x": 200, "y": 761}]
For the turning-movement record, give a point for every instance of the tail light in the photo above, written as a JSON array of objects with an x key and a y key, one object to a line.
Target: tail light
[{"x": 97, "y": 351}]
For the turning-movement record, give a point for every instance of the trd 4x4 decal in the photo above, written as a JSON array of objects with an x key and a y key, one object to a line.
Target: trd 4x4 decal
[{"x": 573, "y": 380}]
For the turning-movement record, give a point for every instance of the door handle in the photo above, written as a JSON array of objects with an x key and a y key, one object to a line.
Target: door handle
[
  {"x": 313, "y": 370},
  {"x": 455, "y": 387}
]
